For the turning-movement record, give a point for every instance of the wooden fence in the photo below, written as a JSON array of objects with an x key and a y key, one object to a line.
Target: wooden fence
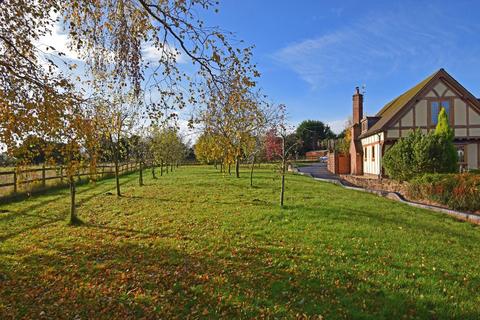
[{"x": 24, "y": 179}]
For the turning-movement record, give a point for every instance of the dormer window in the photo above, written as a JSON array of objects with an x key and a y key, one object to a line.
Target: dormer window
[{"x": 364, "y": 126}]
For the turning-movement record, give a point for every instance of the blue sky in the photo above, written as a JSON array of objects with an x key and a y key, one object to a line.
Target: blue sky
[{"x": 312, "y": 54}]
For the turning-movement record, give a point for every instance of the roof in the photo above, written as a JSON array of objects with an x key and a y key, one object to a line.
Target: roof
[{"x": 394, "y": 106}]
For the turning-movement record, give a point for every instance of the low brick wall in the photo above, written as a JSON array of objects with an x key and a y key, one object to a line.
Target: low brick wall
[{"x": 376, "y": 184}]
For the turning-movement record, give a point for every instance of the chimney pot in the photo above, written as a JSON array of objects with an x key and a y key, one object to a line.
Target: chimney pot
[{"x": 357, "y": 106}]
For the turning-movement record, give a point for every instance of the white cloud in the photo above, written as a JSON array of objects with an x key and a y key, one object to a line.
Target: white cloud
[
  {"x": 337, "y": 126},
  {"x": 58, "y": 39},
  {"x": 377, "y": 46},
  {"x": 152, "y": 53}
]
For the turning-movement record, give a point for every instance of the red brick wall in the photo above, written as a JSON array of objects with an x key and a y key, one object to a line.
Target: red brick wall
[{"x": 338, "y": 163}]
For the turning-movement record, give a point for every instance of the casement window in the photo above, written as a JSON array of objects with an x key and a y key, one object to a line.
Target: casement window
[
  {"x": 365, "y": 154},
  {"x": 373, "y": 153},
  {"x": 435, "y": 108}
]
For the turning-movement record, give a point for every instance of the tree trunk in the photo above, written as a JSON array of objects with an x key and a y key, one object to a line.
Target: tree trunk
[
  {"x": 229, "y": 169},
  {"x": 221, "y": 167},
  {"x": 153, "y": 171},
  {"x": 171, "y": 167},
  {"x": 237, "y": 167},
  {"x": 117, "y": 173},
  {"x": 140, "y": 176},
  {"x": 284, "y": 160},
  {"x": 283, "y": 184},
  {"x": 161, "y": 168},
  {"x": 167, "y": 166},
  {"x": 251, "y": 172},
  {"x": 73, "y": 213},
  {"x": 215, "y": 164}
]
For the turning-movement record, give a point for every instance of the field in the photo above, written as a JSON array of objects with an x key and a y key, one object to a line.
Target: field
[{"x": 197, "y": 244}]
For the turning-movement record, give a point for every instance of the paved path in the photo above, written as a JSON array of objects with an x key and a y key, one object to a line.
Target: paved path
[{"x": 319, "y": 170}]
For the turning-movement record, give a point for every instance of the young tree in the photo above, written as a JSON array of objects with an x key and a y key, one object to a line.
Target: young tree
[{"x": 121, "y": 115}]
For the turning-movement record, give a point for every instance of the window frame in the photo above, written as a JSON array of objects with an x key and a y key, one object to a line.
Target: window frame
[
  {"x": 373, "y": 153},
  {"x": 464, "y": 148},
  {"x": 451, "y": 110}
]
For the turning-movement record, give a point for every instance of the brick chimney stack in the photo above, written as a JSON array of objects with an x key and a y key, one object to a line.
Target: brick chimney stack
[
  {"x": 357, "y": 106},
  {"x": 356, "y": 150}
]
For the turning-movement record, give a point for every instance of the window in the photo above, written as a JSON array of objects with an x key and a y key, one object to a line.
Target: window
[
  {"x": 365, "y": 154},
  {"x": 364, "y": 126},
  {"x": 436, "y": 106},
  {"x": 461, "y": 154},
  {"x": 373, "y": 153}
]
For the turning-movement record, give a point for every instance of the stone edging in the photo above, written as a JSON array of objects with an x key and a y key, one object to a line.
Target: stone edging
[{"x": 465, "y": 216}]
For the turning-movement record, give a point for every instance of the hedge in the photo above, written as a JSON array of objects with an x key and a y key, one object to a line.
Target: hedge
[{"x": 457, "y": 191}]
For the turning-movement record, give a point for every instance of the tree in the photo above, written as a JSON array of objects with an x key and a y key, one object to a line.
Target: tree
[
  {"x": 234, "y": 114},
  {"x": 112, "y": 35},
  {"x": 448, "y": 152},
  {"x": 342, "y": 144},
  {"x": 121, "y": 115},
  {"x": 273, "y": 145},
  {"x": 312, "y": 133},
  {"x": 208, "y": 150},
  {"x": 167, "y": 147},
  {"x": 279, "y": 146}
]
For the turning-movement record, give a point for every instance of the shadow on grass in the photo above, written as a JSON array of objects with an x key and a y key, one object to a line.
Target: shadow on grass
[
  {"x": 61, "y": 216},
  {"x": 152, "y": 280}
]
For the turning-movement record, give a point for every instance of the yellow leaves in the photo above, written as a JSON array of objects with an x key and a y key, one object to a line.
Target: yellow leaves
[{"x": 216, "y": 57}]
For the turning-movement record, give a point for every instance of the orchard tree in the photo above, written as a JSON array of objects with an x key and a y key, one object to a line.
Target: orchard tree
[
  {"x": 278, "y": 145},
  {"x": 121, "y": 115},
  {"x": 208, "y": 150},
  {"x": 167, "y": 147},
  {"x": 233, "y": 114}
]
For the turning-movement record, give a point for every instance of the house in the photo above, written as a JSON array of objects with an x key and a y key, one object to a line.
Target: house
[{"x": 417, "y": 108}]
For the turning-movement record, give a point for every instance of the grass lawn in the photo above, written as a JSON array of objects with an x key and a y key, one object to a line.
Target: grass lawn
[{"x": 196, "y": 244}]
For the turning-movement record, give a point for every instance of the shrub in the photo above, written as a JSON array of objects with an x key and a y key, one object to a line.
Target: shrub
[
  {"x": 457, "y": 191},
  {"x": 420, "y": 153},
  {"x": 398, "y": 160}
]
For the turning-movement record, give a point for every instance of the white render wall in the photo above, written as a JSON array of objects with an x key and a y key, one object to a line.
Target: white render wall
[{"x": 372, "y": 145}]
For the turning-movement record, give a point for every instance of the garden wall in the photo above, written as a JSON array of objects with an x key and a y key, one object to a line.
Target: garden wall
[
  {"x": 377, "y": 184},
  {"x": 338, "y": 163}
]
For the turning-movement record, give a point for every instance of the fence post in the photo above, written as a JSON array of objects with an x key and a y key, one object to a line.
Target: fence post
[
  {"x": 44, "y": 182},
  {"x": 15, "y": 181}
]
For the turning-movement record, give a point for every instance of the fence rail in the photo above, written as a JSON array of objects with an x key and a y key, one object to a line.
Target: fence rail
[{"x": 15, "y": 179}]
